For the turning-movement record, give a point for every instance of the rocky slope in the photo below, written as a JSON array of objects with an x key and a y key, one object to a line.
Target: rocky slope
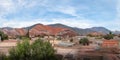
[
  {"x": 38, "y": 30},
  {"x": 53, "y": 29},
  {"x": 42, "y": 30},
  {"x": 81, "y": 31}
]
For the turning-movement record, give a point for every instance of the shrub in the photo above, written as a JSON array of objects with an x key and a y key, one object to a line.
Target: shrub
[
  {"x": 3, "y": 56},
  {"x": 3, "y": 36},
  {"x": 90, "y": 35},
  {"x": 84, "y": 41},
  {"x": 109, "y": 36},
  {"x": 38, "y": 50},
  {"x": 21, "y": 51},
  {"x": 71, "y": 40},
  {"x": 42, "y": 50},
  {"x": 59, "y": 38}
]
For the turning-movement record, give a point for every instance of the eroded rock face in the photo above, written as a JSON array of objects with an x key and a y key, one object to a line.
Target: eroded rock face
[
  {"x": 15, "y": 32},
  {"x": 38, "y": 30},
  {"x": 41, "y": 30}
]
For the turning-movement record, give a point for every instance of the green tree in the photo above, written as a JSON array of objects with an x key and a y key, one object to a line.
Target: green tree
[
  {"x": 109, "y": 36},
  {"x": 3, "y": 36},
  {"x": 21, "y": 51},
  {"x": 42, "y": 50},
  {"x": 84, "y": 41},
  {"x": 38, "y": 50}
]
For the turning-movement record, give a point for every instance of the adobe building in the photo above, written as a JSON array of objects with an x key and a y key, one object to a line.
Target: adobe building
[{"x": 110, "y": 44}]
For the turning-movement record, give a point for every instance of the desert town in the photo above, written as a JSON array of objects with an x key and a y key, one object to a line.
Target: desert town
[{"x": 67, "y": 43}]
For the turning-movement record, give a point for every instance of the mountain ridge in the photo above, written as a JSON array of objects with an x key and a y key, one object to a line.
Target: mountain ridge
[
  {"x": 38, "y": 30},
  {"x": 84, "y": 31},
  {"x": 80, "y": 31}
]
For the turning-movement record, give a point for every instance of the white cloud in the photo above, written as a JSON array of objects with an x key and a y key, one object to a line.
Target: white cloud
[
  {"x": 118, "y": 13},
  {"x": 6, "y": 6},
  {"x": 62, "y": 7},
  {"x": 66, "y": 10},
  {"x": 74, "y": 22},
  {"x": 83, "y": 23},
  {"x": 118, "y": 8},
  {"x": 12, "y": 6},
  {"x": 69, "y": 22},
  {"x": 19, "y": 23}
]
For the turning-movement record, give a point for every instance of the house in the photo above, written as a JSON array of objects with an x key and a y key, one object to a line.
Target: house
[{"x": 110, "y": 44}]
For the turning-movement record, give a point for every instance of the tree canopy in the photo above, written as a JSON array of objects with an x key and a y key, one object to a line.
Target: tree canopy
[
  {"x": 109, "y": 36},
  {"x": 3, "y": 36},
  {"x": 38, "y": 50},
  {"x": 84, "y": 41}
]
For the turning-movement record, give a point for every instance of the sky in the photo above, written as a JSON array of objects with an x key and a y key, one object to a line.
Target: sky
[{"x": 75, "y": 13}]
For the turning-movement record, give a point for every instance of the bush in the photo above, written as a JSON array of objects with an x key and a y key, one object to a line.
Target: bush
[
  {"x": 59, "y": 38},
  {"x": 3, "y": 36},
  {"x": 109, "y": 36},
  {"x": 71, "y": 40},
  {"x": 38, "y": 50},
  {"x": 90, "y": 35},
  {"x": 84, "y": 41},
  {"x": 3, "y": 56},
  {"x": 21, "y": 51},
  {"x": 42, "y": 50}
]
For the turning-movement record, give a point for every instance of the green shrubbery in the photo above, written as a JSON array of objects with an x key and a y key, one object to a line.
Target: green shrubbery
[
  {"x": 3, "y": 36},
  {"x": 109, "y": 36},
  {"x": 84, "y": 41},
  {"x": 21, "y": 51},
  {"x": 42, "y": 50},
  {"x": 38, "y": 50},
  {"x": 3, "y": 56}
]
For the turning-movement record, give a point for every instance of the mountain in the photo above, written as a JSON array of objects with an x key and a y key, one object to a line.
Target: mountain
[
  {"x": 81, "y": 31},
  {"x": 14, "y": 32},
  {"x": 38, "y": 30},
  {"x": 8, "y": 28},
  {"x": 100, "y": 29},
  {"x": 53, "y": 29},
  {"x": 60, "y": 25},
  {"x": 75, "y": 29},
  {"x": 116, "y": 32}
]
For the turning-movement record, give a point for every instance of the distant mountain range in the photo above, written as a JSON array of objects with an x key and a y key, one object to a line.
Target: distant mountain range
[
  {"x": 38, "y": 30},
  {"x": 53, "y": 29},
  {"x": 84, "y": 31}
]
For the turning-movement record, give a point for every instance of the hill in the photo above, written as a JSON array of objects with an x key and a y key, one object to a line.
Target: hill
[
  {"x": 38, "y": 30},
  {"x": 83, "y": 31}
]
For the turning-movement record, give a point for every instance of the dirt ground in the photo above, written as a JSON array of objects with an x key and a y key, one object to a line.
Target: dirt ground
[{"x": 64, "y": 51}]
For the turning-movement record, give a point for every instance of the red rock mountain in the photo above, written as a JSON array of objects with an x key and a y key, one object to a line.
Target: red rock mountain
[
  {"x": 14, "y": 32},
  {"x": 39, "y": 30}
]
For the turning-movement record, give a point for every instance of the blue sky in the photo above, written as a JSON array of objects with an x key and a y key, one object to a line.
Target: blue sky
[{"x": 75, "y": 13}]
